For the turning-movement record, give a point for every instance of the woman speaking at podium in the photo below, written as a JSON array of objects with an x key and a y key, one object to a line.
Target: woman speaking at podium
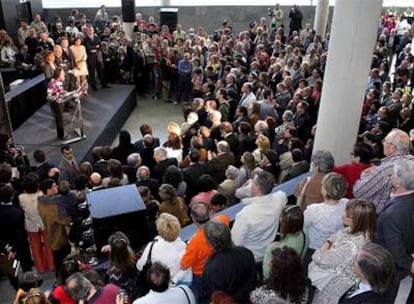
[{"x": 55, "y": 94}]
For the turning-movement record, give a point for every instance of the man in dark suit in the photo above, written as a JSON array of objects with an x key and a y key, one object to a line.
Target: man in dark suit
[
  {"x": 144, "y": 180},
  {"x": 145, "y": 148},
  {"x": 133, "y": 162},
  {"x": 298, "y": 167},
  {"x": 42, "y": 166},
  {"x": 13, "y": 238},
  {"x": 395, "y": 224},
  {"x": 217, "y": 164},
  {"x": 374, "y": 267},
  {"x": 192, "y": 173},
  {"x": 231, "y": 138},
  {"x": 68, "y": 166},
  {"x": 163, "y": 162}
]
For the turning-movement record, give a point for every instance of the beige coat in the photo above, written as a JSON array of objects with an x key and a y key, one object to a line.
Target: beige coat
[{"x": 79, "y": 54}]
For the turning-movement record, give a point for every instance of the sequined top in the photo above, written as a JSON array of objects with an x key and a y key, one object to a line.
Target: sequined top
[
  {"x": 339, "y": 258},
  {"x": 54, "y": 88}
]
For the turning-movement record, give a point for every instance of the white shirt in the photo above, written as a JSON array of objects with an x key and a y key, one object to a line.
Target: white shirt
[
  {"x": 323, "y": 220},
  {"x": 32, "y": 220},
  {"x": 174, "y": 295},
  {"x": 256, "y": 225},
  {"x": 167, "y": 253},
  {"x": 246, "y": 100}
]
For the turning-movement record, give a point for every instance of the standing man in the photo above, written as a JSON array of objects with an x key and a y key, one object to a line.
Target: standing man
[
  {"x": 374, "y": 184},
  {"x": 57, "y": 237},
  {"x": 256, "y": 225},
  {"x": 95, "y": 60},
  {"x": 13, "y": 237},
  {"x": 296, "y": 17},
  {"x": 68, "y": 166},
  {"x": 198, "y": 250},
  {"x": 395, "y": 224},
  {"x": 185, "y": 68}
]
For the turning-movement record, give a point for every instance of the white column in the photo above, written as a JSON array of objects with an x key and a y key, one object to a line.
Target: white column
[
  {"x": 351, "y": 46},
  {"x": 128, "y": 28},
  {"x": 321, "y": 17}
]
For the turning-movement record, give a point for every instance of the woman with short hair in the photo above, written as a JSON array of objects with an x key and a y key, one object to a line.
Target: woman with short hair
[
  {"x": 167, "y": 247},
  {"x": 308, "y": 190},
  {"x": 324, "y": 219}
]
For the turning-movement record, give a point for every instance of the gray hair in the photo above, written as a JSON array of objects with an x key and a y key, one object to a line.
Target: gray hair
[
  {"x": 377, "y": 266},
  {"x": 323, "y": 160},
  {"x": 265, "y": 181},
  {"x": 143, "y": 173},
  {"x": 287, "y": 115},
  {"x": 232, "y": 172},
  {"x": 78, "y": 287},
  {"x": 134, "y": 160},
  {"x": 218, "y": 236},
  {"x": 223, "y": 146},
  {"x": 399, "y": 139},
  {"x": 161, "y": 151},
  {"x": 403, "y": 172}
]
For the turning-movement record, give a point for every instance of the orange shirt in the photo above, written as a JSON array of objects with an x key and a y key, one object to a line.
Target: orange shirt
[{"x": 198, "y": 250}]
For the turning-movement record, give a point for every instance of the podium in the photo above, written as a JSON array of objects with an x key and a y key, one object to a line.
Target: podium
[{"x": 76, "y": 122}]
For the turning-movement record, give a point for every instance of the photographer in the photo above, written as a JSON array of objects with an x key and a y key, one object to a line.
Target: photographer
[{"x": 296, "y": 17}]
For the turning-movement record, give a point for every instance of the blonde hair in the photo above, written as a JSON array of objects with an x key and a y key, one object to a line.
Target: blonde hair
[
  {"x": 168, "y": 227},
  {"x": 263, "y": 142}
]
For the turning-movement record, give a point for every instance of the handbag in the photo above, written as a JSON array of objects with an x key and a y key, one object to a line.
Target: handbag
[{"x": 142, "y": 283}]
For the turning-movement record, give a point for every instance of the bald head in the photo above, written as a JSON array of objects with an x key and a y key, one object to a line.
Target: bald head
[
  {"x": 96, "y": 179},
  {"x": 397, "y": 141}
]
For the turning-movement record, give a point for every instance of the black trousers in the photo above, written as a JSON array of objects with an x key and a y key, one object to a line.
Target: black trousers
[
  {"x": 95, "y": 65},
  {"x": 58, "y": 111}
]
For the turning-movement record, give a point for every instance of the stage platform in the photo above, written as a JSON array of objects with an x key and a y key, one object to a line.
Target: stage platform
[{"x": 104, "y": 113}]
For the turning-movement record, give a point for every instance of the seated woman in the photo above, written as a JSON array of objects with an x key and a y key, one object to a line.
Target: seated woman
[
  {"x": 291, "y": 235},
  {"x": 331, "y": 270},
  {"x": 374, "y": 267},
  {"x": 324, "y": 219},
  {"x": 286, "y": 282}
]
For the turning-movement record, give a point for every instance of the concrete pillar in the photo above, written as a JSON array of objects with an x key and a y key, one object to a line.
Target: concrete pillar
[
  {"x": 321, "y": 17},
  {"x": 346, "y": 75}
]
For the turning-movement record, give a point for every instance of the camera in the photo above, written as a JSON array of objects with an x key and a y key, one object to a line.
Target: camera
[{"x": 270, "y": 12}]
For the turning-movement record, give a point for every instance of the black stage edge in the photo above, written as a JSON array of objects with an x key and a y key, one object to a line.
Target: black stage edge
[{"x": 104, "y": 113}]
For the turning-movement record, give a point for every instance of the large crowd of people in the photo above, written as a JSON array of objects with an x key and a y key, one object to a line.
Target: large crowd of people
[{"x": 250, "y": 105}]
